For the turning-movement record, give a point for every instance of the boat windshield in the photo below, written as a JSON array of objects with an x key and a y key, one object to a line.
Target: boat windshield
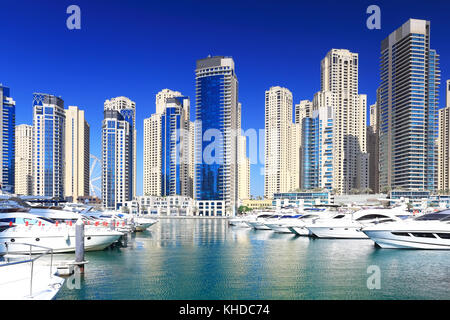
[
  {"x": 308, "y": 216},
  {"x": 291, "y": 217},
  {"x": 437, "y": 216}
]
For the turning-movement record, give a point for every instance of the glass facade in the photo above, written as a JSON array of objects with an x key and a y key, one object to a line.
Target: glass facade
[
  {"x": 408, "y": 100},
  {"x": 210, "y": 112},
  {"x": 172, "y": 129},
  {"x": 8, "y": 119},
  {"x": 215, "y": 132},
  {"x": 48, "y": 158},
  {"x": 118, "y": 152},
  {"x": 317, "y": 145}
]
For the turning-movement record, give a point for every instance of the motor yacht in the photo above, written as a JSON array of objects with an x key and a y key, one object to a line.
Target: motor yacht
[
  {"x": 282, "y": 224},
  {"x": 29, "y": 228},
  {"x": 259, "y": 222},
  {"x": 348, "y": 226},
  {"x": 429, "y": 231},
  {"x": 241, "y": 221},
  {"x": 142, "y": 223},
  {"x": 28, "y": 278}
]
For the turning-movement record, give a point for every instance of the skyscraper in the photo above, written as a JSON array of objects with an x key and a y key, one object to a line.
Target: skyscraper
[
  {"x": 118, "y": 152},
  {"x": 282, "y": 145},
  {"x": 77, "y": 154},
  {"x": 7, "y": 133},
  {"x": 317, "y": 142},
  {"x": 48, "y": 145},
  {"x": 373, "y": 149},
  {"x": 409, "y": 93},
  {"x": 24, "y": 160},
  {"x": 167, "y": 148},
  {"x": 444, "y": 144},
  {"x": 216, "y": 131},
  {"x": 175, "y": 151},
  {"x": 339, "y": 90}
]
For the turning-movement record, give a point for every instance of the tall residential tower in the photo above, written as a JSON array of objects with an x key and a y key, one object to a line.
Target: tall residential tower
[
  {"x": 216, "y": 131},
  {"x": 7, "y": 133},
  {"x": 24, "y": 160},
  {"x": 77, "y": 154},
  {"x": 118, "y": 152},
  {"x": 408, "y": 102},
  {"x": 48, "y": 145}
]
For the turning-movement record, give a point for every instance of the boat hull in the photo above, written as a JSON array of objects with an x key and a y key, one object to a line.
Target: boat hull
[
  {"x": 337, "y": 232},
  {"x": 59, "y": 243},
  {"x": 386, "y": 240}
]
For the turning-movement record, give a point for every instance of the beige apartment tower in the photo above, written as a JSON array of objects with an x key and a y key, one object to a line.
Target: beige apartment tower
[
  {"x": 339, "y": 90},
  {"x": 282, "y": 147},
  {"x": 444, "y": 144},
  {"x": 77, "y": 152},
  {"x": 24, "y": 160}
]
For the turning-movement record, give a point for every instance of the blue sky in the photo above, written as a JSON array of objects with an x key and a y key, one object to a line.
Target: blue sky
[{"x": 136, "y": 48}]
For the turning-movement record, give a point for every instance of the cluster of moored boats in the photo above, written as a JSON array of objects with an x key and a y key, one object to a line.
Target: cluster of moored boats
[
  {"x": 394, "y": 227},
  {"x": 54, "y": 227},
  {"x": 28, "y": 232}
]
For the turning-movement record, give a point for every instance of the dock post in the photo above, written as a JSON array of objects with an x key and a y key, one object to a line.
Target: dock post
[
  {"x": 112, "y": 225},
  {"x": 79, "y": 244}
]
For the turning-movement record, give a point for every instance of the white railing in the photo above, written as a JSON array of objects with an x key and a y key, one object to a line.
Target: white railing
[{"x": 31, "y": 259}]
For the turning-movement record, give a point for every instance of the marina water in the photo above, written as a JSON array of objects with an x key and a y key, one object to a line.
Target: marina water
[{"x": 203, "y": 259}]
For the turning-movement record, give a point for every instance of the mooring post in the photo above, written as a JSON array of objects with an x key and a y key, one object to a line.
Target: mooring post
[
  {"x": 79, "y": 244},
  {"x": 112, "y": 225}
]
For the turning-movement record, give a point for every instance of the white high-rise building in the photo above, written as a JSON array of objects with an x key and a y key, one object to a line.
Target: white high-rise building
[
  {"x": 339, "y": 90},
  {"x": 408, "y": 109},
  {"x": 24, "y": 160},
  {"x": 77, "y": 154},
  {"x": 118, "y": 152},
  {"x": 48, "y": 145},
  {"x": 282, "y": 144}
]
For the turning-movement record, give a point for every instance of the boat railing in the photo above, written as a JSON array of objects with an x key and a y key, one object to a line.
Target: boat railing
[{"x": 30, "y": 260}]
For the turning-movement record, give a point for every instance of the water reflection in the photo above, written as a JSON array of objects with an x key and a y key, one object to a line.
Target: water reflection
[{"x": 207, "y": 259}]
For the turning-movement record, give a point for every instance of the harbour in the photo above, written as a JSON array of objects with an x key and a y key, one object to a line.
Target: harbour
[{"x": 205, "y": 259}]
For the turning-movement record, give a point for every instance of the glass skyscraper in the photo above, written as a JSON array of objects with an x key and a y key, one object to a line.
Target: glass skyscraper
[
  {"x": 317, "y": 142},
  {"x": 48, "y": 145},
  {"x": 7, "y": 135},
  {"x": 175, "y": 147},
  {"x": 118, "y": 152},
  {"x": 215, "y": 131},
  {"x": 408, "y": 102}
]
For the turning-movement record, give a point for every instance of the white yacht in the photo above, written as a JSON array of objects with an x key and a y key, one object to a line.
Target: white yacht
[
  {"x": 21, "y": 227},
  {"x": 28, "y": 279},
  {"x": 429, "y": 231},
  {"x": 241, "y": 221},
  {"x": 259, "y": 223},
  {"x": 298, "y": 226},
  {"x": 142, "y": 223},
  {"x": 282, "y": 224},
  {"x": 348, "y": 226}
]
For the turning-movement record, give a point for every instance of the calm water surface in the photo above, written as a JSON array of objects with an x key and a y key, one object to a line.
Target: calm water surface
[{"x": 206, "y": 259}]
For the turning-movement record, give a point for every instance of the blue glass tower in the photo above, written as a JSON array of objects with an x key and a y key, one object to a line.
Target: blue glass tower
[
  {"x": 317, "y": 145},
  {"x": 118, "y": 152},
  {"x": 48, "y": 145},
  {"x": 175, "y": 147},
  {"x": 7, "y": 134},
  {"x": 215, "y": 130}
]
